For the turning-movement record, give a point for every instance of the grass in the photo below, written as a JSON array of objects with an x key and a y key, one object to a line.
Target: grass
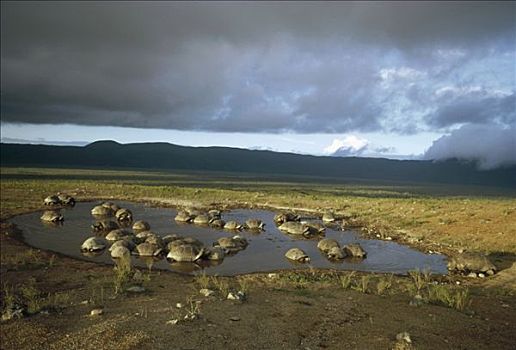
[
  {"x": 97, "y": 295},
  {"x": 347, "y": 279},
  {"x": 31, "y": 296},
  {"x": 419, "y": 280},
  {"x": 453, "y": 216},
  {"x": 193, "y": 309},
  {"x": 384, "y": 284},
  {"x": 32, "y": 300},
  {"x": 27, "y": 260},
  {"x": 8, "y": 298},
  {"x": 475, "y": 219},
  {"x": 221, "y": 284},
  {"x": 202, "y": 280},
  {"x": 362, "y": 284},
  {"x": 244, "y": 284},
  {"x": 122, "y": 274},
  {"x": 455, "y": 298}
]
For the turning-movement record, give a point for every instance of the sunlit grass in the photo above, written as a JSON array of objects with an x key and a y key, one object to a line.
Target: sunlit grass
[{"x": 472, "y": 222}]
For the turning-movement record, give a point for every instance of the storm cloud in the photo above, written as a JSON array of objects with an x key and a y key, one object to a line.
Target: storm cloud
[
  {"x": 490, "y": 146},
  {"x": 329, "y": 67}
]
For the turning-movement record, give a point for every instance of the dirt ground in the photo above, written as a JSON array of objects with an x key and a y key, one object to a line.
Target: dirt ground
[{"x": 280, "y": 312}]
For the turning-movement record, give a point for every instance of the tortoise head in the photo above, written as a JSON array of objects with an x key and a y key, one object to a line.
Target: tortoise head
[
  {"x": 200, "y": 254},
  {"x": 306, "y": 231}
]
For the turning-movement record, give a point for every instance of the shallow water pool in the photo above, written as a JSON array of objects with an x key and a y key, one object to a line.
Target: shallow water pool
[{"x": 264, "y": 253}]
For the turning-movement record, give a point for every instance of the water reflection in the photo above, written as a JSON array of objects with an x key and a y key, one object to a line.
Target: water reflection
[{"x": 265, "y": 251}]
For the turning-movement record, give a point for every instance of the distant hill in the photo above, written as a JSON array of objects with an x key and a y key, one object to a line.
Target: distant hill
[{"x": 166, "y": 156}]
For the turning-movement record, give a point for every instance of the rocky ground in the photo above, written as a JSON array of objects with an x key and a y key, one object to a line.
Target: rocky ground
[
  {"x": 311, "y": 310},
  {"x": 47, "y": 300}
]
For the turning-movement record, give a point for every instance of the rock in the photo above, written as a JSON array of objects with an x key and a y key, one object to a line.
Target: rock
[
  {"x": 189, "y": 317},
  {"x": 404, "y": 336},
  {"x": 490, "y": 272},
  {"x": 413, "y": 237},
  {"x": 234, "y": 318},
  {"x": 481, "y": 275},
  {"x": 272, "y": 275},
  {"x": 472, "y": 275},
  {"x": 135, "y": 289},
  {"x": 206, "y": 292},
  {"x": 416, "y": 301},
  {"x": 240, "y": 296},
  {"x": 179, "y": 305},
  {"x": 12, "y": 313},
  {"x": 96, "y": 312}
]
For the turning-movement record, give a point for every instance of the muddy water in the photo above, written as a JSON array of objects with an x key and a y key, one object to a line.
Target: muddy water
[{"x": 265, "y": 251}]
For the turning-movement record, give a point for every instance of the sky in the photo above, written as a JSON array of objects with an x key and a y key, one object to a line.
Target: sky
[{"x": 430, "y": 80}]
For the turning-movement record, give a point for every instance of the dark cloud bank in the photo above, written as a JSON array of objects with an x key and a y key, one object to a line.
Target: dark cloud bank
[
  {"x": 260, "y": 67},
  {"x": 489, "y": 146}
]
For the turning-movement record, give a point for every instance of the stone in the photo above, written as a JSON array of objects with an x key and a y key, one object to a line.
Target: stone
[
  {"x": 179, "y": 305},
  {"x": 234, "y": 318},
  {"x": 490, "y": 272},
  {"x": 206, "y": 292},
  {"x": 481, "y": 275},
  {"x": 416, "y": 301},
  {"x": 404, "y": 336},
  {"x": 135, "y": 289},
  {"x": 96, "y": 312},
  {"x": 240, "y": 296},
  {"x": 11, "y": 314},
  {"x": 472, "y": 275}
]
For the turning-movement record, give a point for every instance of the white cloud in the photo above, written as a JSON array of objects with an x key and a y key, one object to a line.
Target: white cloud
[
  {"x": 389, "y": 74},
  {"x": 351, "y": 144}
]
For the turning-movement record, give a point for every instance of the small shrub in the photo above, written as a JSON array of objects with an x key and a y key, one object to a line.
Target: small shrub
[
  {"x": 202, "y": 280},
  {"x": 459, "y": 299},
  {"x": 221, "y": 284},
  {"x": 345, "y": 280},
  {"x": 419, "y": 280},
  {"x": 59, "y": 300},
  {"x": 51, "y": 261},
  {"x": 31, "y": 297},
  {"x": 9, "y": 297},
  {"x": 462, "y": 300},
  {"x": 193, "y": 311},
  {"x": 97, "y": 295},
  {"x": 243, "y": 284},
  {"x": 384, "y": 284},
  {"x": 123, "y": 274},
  {"x": 362, "y": 284}
]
